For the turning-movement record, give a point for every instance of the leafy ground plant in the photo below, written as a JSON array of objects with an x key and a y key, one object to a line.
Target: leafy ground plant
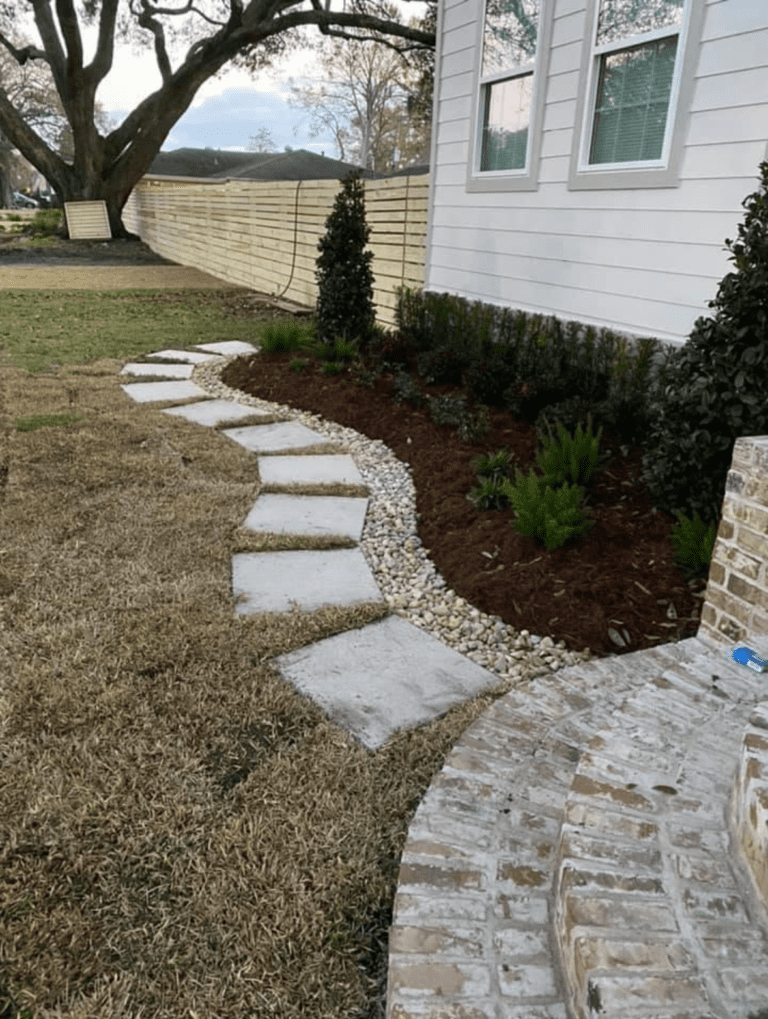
[{"x": 550, "y": 515}]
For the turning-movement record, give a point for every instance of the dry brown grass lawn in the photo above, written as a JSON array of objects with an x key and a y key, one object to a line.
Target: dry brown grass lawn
[{"x": 181, "y": 833}]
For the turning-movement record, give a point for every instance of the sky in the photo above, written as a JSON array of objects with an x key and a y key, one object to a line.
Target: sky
[{"x": 227, "y": 111}]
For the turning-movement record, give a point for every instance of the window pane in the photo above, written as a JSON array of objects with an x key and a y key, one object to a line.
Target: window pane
[
  {"x": 509, "y": 39},
  {"x": 620, "y": 19},
  {"x": 505, "y": 124},
  {"x": 632, "y": 103}
]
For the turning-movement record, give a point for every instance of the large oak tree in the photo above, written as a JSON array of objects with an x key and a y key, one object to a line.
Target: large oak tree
[{"x": 247, "y": 36}]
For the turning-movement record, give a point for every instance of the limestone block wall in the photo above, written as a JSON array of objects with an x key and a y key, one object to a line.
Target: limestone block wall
[{"x": 736, "y": 601}]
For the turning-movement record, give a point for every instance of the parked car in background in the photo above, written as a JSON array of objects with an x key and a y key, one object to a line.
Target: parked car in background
[{"x": 24, "y": 201}]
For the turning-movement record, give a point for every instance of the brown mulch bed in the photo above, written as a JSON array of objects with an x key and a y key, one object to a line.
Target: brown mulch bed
[
  {"x": 116, "y": 251},
  {"x": 618, "y": 580}
]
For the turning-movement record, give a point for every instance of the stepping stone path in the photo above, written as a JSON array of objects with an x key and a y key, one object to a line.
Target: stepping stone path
[
  {"x": 595, "y": 844},
  {"x": 417, "y": 678}
]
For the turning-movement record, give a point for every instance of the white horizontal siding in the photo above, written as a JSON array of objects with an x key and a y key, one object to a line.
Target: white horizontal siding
[{"x": 642, "y": 261}]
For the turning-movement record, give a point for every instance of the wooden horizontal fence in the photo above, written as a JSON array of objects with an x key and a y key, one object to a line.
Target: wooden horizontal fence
[{"x": 264, "y": 234}]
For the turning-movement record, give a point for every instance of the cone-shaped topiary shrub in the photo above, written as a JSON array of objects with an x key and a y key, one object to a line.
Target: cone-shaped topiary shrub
[
  {"x": 344, "y": 276},
  {"x": 716, "y": 386}
]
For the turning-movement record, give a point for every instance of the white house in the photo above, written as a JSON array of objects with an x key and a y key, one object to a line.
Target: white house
[{"x": 590, "y": 157}]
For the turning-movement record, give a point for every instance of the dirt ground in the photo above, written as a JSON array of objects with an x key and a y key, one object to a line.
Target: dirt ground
[{"x": 97, "y": 265}]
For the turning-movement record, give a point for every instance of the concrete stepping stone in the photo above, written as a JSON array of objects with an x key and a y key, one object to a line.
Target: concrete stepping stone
[
  {"x": 310, "y": 470},
  {"x": 337, "y": 516},
  {"x": 153, "y": 392},
  {"x": 170, "y": 371},
  {"x": 272, "y": 581},
  {"x": 213, "y": 412},
  {"x": 228, "y": 347},
  {"x": 275, "y": 437},
  {"x": 191, "y": 356},
  {"x": 383, "y": 677}
]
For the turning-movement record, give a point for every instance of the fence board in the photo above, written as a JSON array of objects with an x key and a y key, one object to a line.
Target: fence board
[{"x": 264, "y": 234}]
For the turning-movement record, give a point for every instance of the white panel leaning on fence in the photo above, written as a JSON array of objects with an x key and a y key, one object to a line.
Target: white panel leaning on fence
[{"x": 264, "y": 234}]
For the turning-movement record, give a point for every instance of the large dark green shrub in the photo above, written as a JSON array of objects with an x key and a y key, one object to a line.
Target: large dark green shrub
[
  {"x": 344, "y": 276},
  {"x": 716, "y": 386}
]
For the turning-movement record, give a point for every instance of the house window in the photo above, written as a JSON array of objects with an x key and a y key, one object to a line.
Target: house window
[
  {"x": 510, "y": 32},
  {"x": 634, "y": 59}
]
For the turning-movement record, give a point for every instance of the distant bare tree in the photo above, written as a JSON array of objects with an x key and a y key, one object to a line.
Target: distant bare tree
[
  {"x": 363, "y": 101},
  {"x": 262, "y": 141}
]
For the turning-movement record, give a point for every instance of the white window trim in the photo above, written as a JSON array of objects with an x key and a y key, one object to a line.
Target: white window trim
[
  {"x": 510, "y": 180},
  {"x": 663, "y": 172}
]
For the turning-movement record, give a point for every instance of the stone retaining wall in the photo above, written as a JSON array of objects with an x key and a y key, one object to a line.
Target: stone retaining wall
[{"x": 736, "y": 601}]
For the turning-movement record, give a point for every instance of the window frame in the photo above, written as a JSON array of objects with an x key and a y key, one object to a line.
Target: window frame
[
  {"x": 663, "y": 172},
  {"x": 525, "y": 179}
]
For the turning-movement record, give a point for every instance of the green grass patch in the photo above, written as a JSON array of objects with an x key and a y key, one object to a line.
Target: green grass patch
[
  {"x": 31, "y": 424},
  {"x": 41, "y": 330}
]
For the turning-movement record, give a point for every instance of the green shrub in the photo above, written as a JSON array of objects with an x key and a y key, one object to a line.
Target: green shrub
[
  {"x": 453, "y": 411},
  {"x": 363, "y": 376},
  {"x": 491, "y": 470},
  {"x": 486, "y": 379},
  {"x": 715, "y": 388},
  {"x": 443, "y": 366},
  {"x": 405, "y": 389},
  {"x": 447, "y": 410},
  {"x": 344, "y": 350},
  {"x": 298, "y": 365},
  {"x": 693, "y": 545},
  {"x": 47, "y": 221},
  {"x": 284, "y": 335},
  {"x": 551, "y": 516},
  {"x": 333, "y": 368},
  {"x": 344, "y": 275},
  {"x": 575, "y": 457}
]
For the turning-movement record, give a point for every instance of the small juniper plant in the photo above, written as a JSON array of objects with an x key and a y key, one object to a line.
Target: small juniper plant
[{"x": 344, "y": 276}]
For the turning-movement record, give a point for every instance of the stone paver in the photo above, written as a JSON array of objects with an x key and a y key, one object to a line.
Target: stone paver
[
  {"x": 331, "y": 468},
  {"x": 276, "y": 581},
  {"x": 330, "y": 516},
  {"x": 282, "y": 435},
  {"x": 169, "y": 371},
  {"x": 213, "y": 412},
  {"x": 156, "y": 392}
]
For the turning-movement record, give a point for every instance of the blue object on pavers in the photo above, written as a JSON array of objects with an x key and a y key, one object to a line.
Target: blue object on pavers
[
  {"x": 745, "y": 656},
  {"x": 383, "y": 677}
]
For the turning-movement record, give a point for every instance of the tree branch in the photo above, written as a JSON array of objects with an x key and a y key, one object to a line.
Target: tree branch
[
  {"x": 101, "y": 64},
  {"x": 146, "y": 20},
  {"x": 22, "y": 56},
  {"x": 70, "y": 29},
  {"x": 251, "y": 33},
  {"x": 50, "y": 37}
]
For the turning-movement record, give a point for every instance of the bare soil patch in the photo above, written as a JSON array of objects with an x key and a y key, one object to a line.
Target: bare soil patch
[{"x": 19, "y": 249}]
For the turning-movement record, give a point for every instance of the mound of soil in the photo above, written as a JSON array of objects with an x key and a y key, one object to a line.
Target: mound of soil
[
  {"x": 18, "y": 249},
  {"x": 613, "y": 590}
]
